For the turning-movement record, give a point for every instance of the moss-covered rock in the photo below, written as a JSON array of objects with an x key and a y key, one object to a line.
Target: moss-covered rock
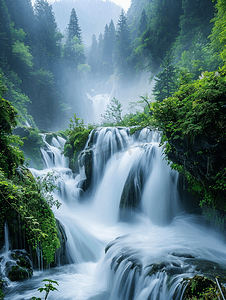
[
  {"x": 19, "y": 267},
  {"x": 203, "y": 288},
  {"x": 73, "y": 147}
]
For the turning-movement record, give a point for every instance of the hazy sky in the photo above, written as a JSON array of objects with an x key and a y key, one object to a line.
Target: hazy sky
[{"x": 124, "y": 3}]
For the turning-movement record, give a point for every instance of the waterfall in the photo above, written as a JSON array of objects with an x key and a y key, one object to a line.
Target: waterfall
[
  {"x": 128, "y": 237},
  {"x": 99, "y": 102}
]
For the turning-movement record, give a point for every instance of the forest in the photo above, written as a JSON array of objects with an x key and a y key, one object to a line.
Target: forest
[{"x": 46, "y": 72}]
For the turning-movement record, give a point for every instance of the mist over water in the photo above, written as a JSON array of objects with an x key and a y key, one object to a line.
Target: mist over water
[{"x": 158, "y": 235}]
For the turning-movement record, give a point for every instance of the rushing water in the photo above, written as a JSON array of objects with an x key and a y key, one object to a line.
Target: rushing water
[{"x": 149, "y": 251}]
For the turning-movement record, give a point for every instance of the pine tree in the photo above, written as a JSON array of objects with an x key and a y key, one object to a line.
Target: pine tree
[
  {"x": 142, "y": 23},
  {"x": 123, "y": 50},
  {"x": 74, "y": 28},
  {"x": 100, "y": 51},
  {"x": 194, "y": 21},
  {"x": 5, "y": 34},
  {"x": 112, "y": 37},
  {"x": 22, "y": 15},
  {"x": 74, "y": 49},
  {"x": 93, "y": 55},
  {"x": 47, "y": 49},
  {"x": 106, "y": 44},
  {"x": 165, "y": 84}
]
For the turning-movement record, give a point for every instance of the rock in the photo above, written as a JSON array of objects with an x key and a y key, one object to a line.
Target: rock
[
  {"x": 19, "y": 267},
  {"x": 85, "y": 160},
  {"x": 200, "y": 287}
]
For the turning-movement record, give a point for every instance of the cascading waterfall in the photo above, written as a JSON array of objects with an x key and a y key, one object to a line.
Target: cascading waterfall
[{"x": 142, "y": 257}]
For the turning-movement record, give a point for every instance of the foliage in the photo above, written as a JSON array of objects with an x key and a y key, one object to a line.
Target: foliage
[
  {"x": 201, "y": 288},
  {"x": 27, "y": 197},
  {"x": 74, "y": 29},
  {"x": 138, "y": 119},
  {"x": 31, "y": 147},
  {"x": 10, "y": 155},
  {"x": 113, "y": 112},
  {"x": 1, "y": 293},
  {"x": 122, "y": 46},
  {"x": 166, "y": 83},
  {"x": 194, "y": 108},
  {"x": 77, "y": 138},
  {"x": 48, "y": 287},
  {"x": 196, "y": 113},
  {"x": 22, "y": 53},
  {"x": 20, "y": 192},
  {"x": 218, "y": 39}
]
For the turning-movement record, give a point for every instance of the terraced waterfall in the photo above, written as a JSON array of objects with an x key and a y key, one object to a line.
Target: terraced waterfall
[{"x": 128, "y": 235}]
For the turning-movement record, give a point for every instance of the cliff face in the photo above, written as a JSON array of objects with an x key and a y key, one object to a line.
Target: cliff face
[
  {"x": 193, "y": 123},
  {"x": 203, "y": 157}
]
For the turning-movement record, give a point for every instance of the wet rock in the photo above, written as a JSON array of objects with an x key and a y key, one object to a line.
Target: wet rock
[
  {"x": 19, "y": 267},
  {"x": 201, "y": 287},
  {"x": 129, "y": 259},
  {"x": 61, "y": 257},
  {"x": 185, "y": 255},
  {"x": 17, "y": 273},
  {"x": 208, "y": 268},
  {"x": 169, "y": 267},
  {"x": 86, "y": 160}
]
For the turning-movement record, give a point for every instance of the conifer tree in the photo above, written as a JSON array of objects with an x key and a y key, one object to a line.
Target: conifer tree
[
  {"x": 165, "y": 84},
  {"x": 100, "y": 51},
  {"x": 5, "y": 34},
  {"x": 142, "y": 23},
  {"x": 47, "y": 39},
  {"x": 123, "y": 50},
  {"x": 112, "y": 37},
  {"x": 74, "y": 28},
  {"x": 74, "y": 49},
  {"x": 22, "y": 15},
  {"x": 93, "y": 55}
]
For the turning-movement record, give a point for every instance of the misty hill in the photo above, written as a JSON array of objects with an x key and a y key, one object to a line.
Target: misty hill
[{"x": 93, "y": 15}]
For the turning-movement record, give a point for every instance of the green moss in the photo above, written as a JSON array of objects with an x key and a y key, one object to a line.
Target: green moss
[
  {"x": 201, "y": 288},
  {"x": 25, "y": 198},
  {"x": 77, "y": 138},
  {"x": 193, "y": 122}
]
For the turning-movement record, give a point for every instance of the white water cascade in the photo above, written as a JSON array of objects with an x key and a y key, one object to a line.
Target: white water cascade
[
  {"x": 99, "y": 102},
  {"x": 128, "y": 237}
]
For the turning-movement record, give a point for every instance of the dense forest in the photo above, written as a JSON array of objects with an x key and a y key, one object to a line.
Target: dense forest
[
  {"x": 46, "y": 72},
  {"x": 179, "y": 44}
]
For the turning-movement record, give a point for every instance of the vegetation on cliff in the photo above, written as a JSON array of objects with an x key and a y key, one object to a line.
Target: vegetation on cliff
[
  {"x": 77, "y": 137},
  {"x": 23, "y": 199}
]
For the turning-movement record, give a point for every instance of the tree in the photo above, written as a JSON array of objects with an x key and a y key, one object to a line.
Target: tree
[
  {"x": 163, "y": 28},
  {"x": 100, "y": 51},
  {"x": 47, "y": 49},
  {"x": 22, "y": 15},
  {"x": 113, "y": 113},
  {"x": 142, "y": 23},
  {"x": 93, "y": 55},
  {"x": 10, "y": 156},
  {"x": 123, "y": 50},
  {"x": 108, "y": 48},
  {"x": 165, "y": 84},
  {"x": 111, "y": 42},
  {"x": 5, "y": 34},
  {"x": 218, "y": 38},
  {"x": 194, "y": 22},
  {"x": 73, "y": 28},
  {"x": 74, "y": 49}
]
